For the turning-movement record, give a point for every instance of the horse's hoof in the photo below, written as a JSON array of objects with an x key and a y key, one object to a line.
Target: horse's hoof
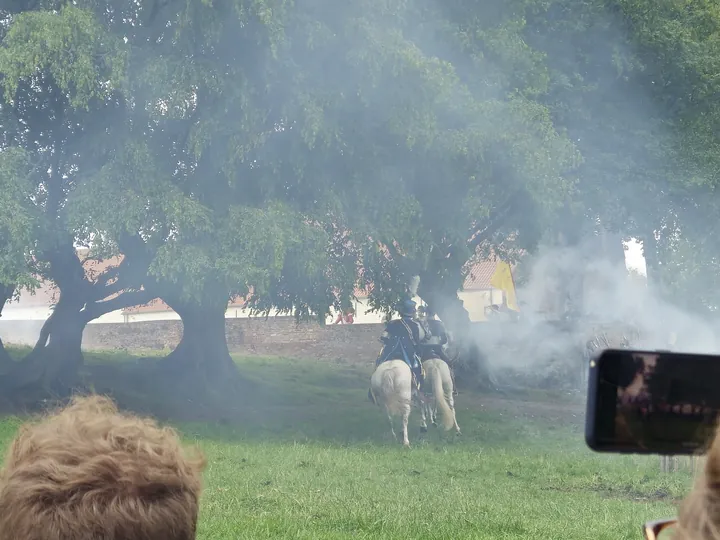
[
  {"x": 457, "y": 433},
  {"x": 423, "y": 429}
]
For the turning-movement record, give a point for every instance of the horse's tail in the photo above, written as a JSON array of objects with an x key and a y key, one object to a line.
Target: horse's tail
[{"x": 439, "y": 395}]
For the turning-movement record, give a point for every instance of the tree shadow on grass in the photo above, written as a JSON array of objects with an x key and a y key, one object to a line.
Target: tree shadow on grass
[
  {"x": 288, "y": 400},
  {"x": 273, "y": 399},
  {"x": 295, "y": 401}
]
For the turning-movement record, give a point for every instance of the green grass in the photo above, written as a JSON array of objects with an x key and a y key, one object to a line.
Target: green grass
[{"x": 308, "y": 457}]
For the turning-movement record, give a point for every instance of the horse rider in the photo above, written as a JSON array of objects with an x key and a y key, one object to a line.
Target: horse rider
[
  {"x": 401, "y": 340},
  {"x": 434, "y": 345}
]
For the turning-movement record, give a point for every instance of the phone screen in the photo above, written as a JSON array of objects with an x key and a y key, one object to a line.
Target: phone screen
[{"x": 652, "y": 402}]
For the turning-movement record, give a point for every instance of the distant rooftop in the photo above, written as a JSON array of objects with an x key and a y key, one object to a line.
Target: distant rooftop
[{"x": 45, "y": 295}]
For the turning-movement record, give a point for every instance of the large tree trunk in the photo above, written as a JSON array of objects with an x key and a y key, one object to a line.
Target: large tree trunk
[
  {"x": 54, "y": 363},
  {"x": 52, "y": 367},
  {"x": 202, "y": 357},
  {"x": 57, "y": 355}
]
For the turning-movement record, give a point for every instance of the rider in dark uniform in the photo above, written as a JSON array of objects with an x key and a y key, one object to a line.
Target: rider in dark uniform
[
  {"x": 434, "y": 345},
  {"x": 401, "y": 340}
]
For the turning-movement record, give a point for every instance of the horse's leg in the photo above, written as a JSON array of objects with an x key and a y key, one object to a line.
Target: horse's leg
[
  {"x": 390, "y": 419},
  {"x": 405, "y": 419},
  {"x": 423, "y": 418},
  {"x": 451, "y": 404},
  {"x": 433, "y": 412},
  {"x": 417, "y": 400}
]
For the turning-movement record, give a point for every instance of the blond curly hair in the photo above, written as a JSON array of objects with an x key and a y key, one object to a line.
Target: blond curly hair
[
  {"x": 88, "y": 472},
  {"x": 699, "y": 517}
]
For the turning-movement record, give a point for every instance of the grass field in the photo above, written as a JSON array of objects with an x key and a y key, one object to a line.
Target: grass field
[{"x": 309, "y": 458}]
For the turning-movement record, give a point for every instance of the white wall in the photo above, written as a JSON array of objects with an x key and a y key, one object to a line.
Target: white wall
[
  {"x": 10, "y": 313},
  {"x": 362, "y": 305},
  {"x": 231, "y": 313},
  {"x": 475, "y": 302},
  {"x": 25, "y": 313}
]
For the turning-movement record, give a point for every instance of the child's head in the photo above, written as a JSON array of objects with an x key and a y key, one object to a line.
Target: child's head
[{"x": 89, "y": 472}]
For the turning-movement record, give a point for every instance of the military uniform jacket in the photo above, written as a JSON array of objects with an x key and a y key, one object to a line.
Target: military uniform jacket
[
  {"x": 433, "y": 345},
  {"x": 401, "y": 340}
]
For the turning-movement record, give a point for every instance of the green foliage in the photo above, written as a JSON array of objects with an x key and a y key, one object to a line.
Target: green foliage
[
  {"x": 83, "y": 59},
  {"x": 18, "y": 218},
  {"x": 277, "y": 147}
]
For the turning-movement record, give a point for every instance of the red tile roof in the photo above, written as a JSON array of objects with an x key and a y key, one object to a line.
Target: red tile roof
[
  {"x": 478, "y": 278},
  {"x": 481, "y": 272},
  {"x": 153, "y": 306},
  {"x": 46, "y": 293}
]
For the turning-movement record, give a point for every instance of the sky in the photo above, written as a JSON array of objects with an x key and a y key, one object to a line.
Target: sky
[{"x": 634, "y": 258}]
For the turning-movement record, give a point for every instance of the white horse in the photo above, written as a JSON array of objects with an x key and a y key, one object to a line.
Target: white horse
[
  {"x": 391, "y": 388},
  {"x": 438, "y": 379}
]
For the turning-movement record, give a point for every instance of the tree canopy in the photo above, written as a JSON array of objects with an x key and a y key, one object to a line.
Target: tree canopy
[{"x": 288, "y": 152}]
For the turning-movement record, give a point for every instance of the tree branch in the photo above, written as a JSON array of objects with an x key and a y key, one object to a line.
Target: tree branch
[
  {"x": 405, "y": 265},
  {"x": 6, "y": 293},
  {"x": 493, "y": 225},
  {"x": 44, "y": 334},
  {"x": 66, "y": 269},
  {"x": 107, "y": 275},
  {"x": 131, "y": 273},
  {"x": 123, "y": 301}
]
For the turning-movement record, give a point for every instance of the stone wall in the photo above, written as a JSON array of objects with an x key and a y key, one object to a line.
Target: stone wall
[
  {"x": 276, "y": 336},
  {"x": 281, "y": 336}
]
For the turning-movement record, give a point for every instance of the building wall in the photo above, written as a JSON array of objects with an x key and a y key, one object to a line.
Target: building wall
[
  {"x": 276, "y": 336},
  {"x": 478, "y": 300},
  {"x": 41, "y": 313},
  {"x": 475, "y": 301},
  {"x": 25, "y": 313}
]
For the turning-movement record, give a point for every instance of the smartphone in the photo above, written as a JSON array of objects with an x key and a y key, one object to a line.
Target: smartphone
[{"x": 652, "y": 402}]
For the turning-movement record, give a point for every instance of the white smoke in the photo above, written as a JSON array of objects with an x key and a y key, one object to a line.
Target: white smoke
[
  {"x": 413, "y": 286},
  {"x": 615, "y": 304}
]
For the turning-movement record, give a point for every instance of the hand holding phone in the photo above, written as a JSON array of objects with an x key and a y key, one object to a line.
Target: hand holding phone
[{"x": 652, "y": 402}]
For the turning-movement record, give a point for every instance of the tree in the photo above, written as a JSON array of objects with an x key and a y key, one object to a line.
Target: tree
[
  {"x": 258, "y": 157},
  {"x": 60, "y": 70},
  {"x": 17, "y": 223},
  {"x": 633, "y": 90},
  {"x": 497, "y": 171},
  {"x": 272, "y": 150}
]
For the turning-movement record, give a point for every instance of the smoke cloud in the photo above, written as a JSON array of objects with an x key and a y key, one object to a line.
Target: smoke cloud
[
  {"x": 413, "y": 286},
  {"x": 573, "y": 298}
]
